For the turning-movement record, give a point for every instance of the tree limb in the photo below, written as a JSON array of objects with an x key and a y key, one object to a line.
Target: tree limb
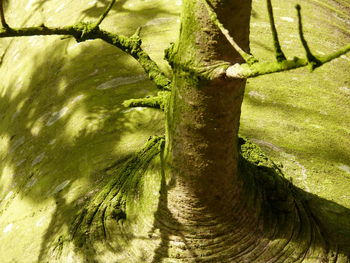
[
  {"x": 157, "y": 102},
  {"x": 247, "y": 70},
  {"x": 243, "y": 71},
  {"x": 87, "y": 31}
]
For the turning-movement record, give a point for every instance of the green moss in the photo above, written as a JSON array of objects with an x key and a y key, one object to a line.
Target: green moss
[
  {"x": 299, "y": 118},
  {"x": 263, "y": 176},
  {"x": 253, "y": 154},
  {"x": 96, "y": 131},
  {"x": 125, "y": 182},
  {"x": 157, "y": 102}
]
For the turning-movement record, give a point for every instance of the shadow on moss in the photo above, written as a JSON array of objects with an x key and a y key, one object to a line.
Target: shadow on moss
[
  {"x": 62, "y": 131},
  {"x": 279, "y": 194}
]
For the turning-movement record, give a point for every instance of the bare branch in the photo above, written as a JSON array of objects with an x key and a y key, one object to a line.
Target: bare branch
[
  {"x": 2, "y": 14},
  {"x": 87, "y": 31},
  {"x": 313, "y": 61},
  {"x": 279, "y": 53},
  {"x": 105, "y": 13},
  {"x": 250, "y": 59},
  {"x": 244, "y": 71}
]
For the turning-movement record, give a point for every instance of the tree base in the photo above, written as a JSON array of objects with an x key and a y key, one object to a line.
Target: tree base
[{"x": 129, "y": 221}]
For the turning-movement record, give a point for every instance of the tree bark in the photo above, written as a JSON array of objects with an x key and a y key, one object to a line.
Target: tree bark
[
  {"x": 209, "y": 208},
  {"x": 205, "y": 189},
  {"x": 204, "y": 112}
]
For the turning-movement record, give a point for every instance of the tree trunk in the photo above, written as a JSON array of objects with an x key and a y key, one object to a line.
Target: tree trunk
[
  {"x": 204, "y": 112},
  {"x": 209, "y": 203},
  {"x": 212, "y": 210}
]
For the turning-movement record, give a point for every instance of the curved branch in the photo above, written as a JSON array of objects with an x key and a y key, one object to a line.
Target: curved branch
[{"x": 87, "y": 31}]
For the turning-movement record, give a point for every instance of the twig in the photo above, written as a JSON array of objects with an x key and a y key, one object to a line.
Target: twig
[
  {"x": 156, "y": 102},
  {"x": 279, "y": 53},
  {"x": 313, "y": 61},
  {"x": 3, "y": 20},
  {"x": 250, "y": 59},
  {"x": 104, "y": 14}
]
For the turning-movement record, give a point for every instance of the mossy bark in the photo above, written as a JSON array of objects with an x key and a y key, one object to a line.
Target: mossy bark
[
  {"x": 215, "y": 209},
  {"x": 204, "y": 111}
]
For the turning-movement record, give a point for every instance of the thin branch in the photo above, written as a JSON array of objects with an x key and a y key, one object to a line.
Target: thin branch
[
  {"x": 245, "y": 71},
  {"x": 313, "y": 61},
  {"x": 278, "y": 50},
  {"x": 2, "y": 14},
  {"x": 156, "y": 102},
  {"x": 137, "y": 33},
  {"x": 250, "y": 59},
  {"x": 86, "y": 31},
  {"x": 334, "y": 55},
  {"x": 105, "y": 13},
  {"x": 39, "y": 31}
]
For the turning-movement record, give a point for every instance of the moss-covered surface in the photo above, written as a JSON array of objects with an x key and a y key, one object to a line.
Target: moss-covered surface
[
  {"x": 62, "y": 122},
  {"x": 62, "y": 118},
  {"x": 278, "y": 192},
  {"x": 300, "y": 118}
]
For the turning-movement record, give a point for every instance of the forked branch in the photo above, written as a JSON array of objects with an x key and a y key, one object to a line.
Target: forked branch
[
  {"x": 244, "y": 71},
  {"x": 253, "y": 68}
]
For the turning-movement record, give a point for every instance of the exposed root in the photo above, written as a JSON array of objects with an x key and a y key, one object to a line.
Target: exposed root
[{"x": 110, "y": 203}]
